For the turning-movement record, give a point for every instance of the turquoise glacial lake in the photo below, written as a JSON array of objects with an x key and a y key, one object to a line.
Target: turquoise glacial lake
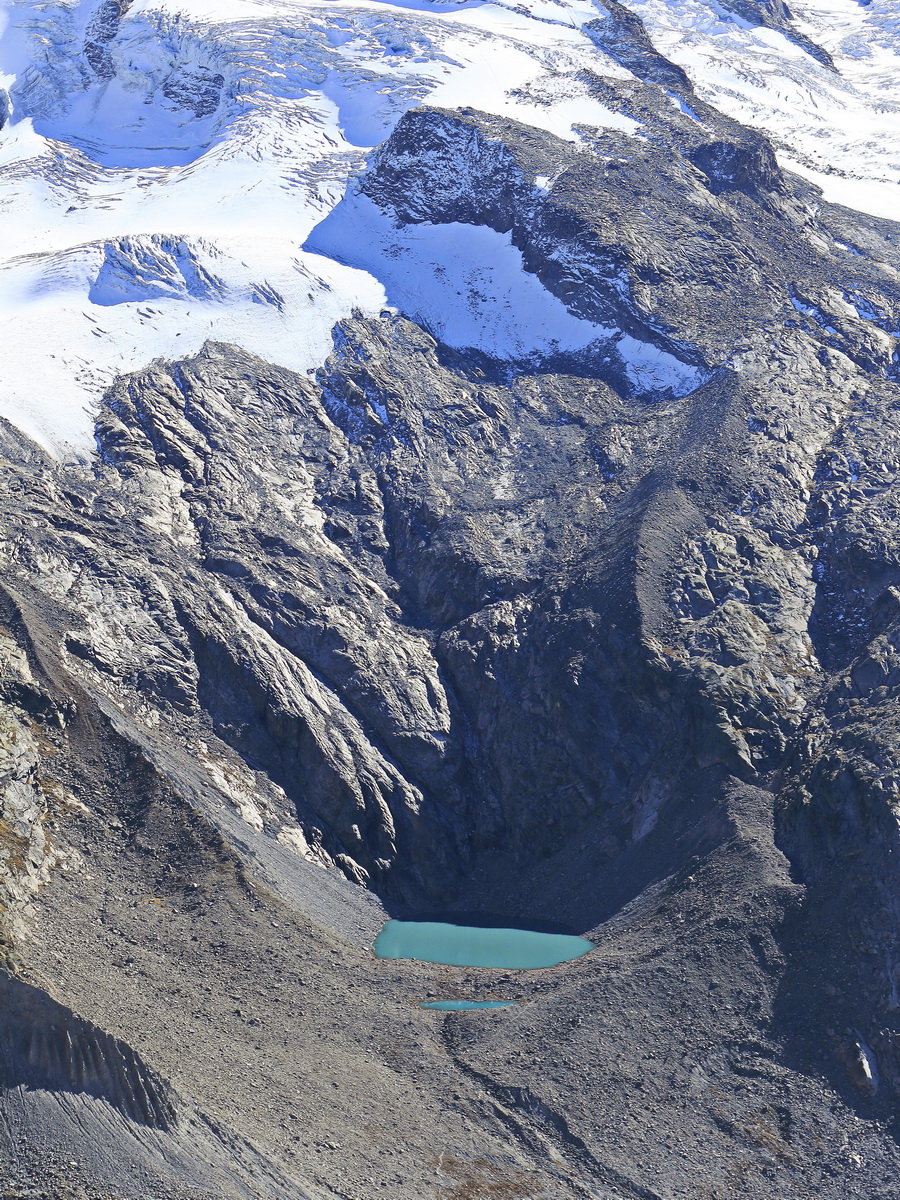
[
  {"x": 473, "y": 946},
  {"x": 459, "y": 1005}
]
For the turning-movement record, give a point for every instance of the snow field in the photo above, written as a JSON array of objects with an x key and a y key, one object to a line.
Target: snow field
[
  {"x": 170, "y": 202},
  {"x": 467, "y": 286},
  {"x": 840, "y": 129},
  {"x": 143, "y": 160},
  {"x": 464, "y": 283}
]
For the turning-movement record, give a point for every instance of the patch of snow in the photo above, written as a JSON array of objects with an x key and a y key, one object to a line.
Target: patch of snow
[
  {"x": 464, "y": 283},
  {"x": 651, "y": 369},
  {"x": 684, "y": 108},
  {"x": 863, "y": 308},
  {"x": 878, "y": 197},
  {"x": 809, "y": 309}
]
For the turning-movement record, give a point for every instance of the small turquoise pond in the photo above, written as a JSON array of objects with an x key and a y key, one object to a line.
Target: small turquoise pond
[
  {"x": 459, "y": 1005},
  {"x": 472, "y": 946}
]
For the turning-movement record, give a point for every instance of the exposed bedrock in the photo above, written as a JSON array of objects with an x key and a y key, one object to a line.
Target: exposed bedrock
[
  {"x": 628, "y": 235},
  {"x": 419, "y": 631},
  {"x": 101, "y": 30},
  {"x": 622, "y": 35}
]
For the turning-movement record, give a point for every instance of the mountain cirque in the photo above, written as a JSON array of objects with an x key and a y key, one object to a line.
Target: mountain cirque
[{"x": 605, "y": 635}]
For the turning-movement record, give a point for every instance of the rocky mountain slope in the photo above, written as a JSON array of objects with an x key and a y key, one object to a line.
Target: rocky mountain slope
[{"x": 510, "y": 531}]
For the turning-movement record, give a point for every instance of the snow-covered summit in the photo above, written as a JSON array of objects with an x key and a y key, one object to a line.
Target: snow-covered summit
[{"x": 163, "y": 165}]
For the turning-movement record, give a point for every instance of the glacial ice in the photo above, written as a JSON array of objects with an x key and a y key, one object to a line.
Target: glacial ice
[{"x": 840, "y": 129}]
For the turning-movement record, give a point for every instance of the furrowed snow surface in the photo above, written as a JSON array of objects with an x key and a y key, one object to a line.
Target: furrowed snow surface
[{"x": 163, "y": 167}]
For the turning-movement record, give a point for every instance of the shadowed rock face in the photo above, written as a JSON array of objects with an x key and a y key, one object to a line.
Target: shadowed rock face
[
  {"x": 461, "y": 635},
  {"x": 48, "y": 1048}
]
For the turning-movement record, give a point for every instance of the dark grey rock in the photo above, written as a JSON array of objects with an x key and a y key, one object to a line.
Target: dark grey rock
[
  {"x": 101, "y": 30},
  {"x": 197, "y": 90},
  {"x": 622, "y": 35}
]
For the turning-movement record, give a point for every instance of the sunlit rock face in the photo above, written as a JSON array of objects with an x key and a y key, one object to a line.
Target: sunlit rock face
[{"x": 448, "y": 475}]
